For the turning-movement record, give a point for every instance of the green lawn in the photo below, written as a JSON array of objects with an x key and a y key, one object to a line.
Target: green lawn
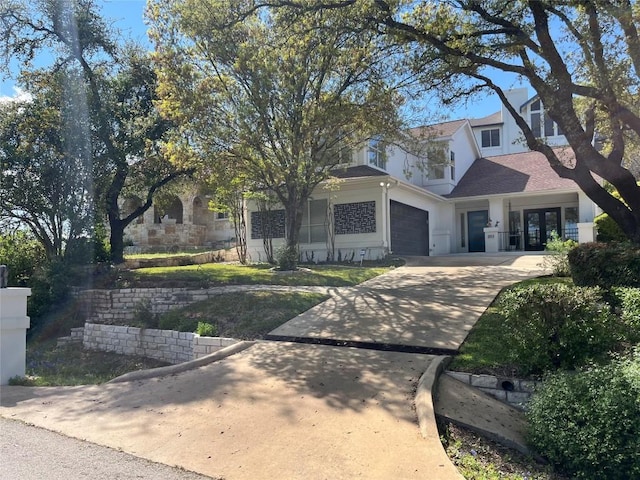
[{"x": 213, "y": 274}]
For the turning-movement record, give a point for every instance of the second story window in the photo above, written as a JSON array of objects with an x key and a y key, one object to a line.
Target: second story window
[
  {"x": 536, "y": 117},
  {"x": 377, "y": 153},
  {"x": 452, "y": 166},
  {"x": 490, "y": 138}
]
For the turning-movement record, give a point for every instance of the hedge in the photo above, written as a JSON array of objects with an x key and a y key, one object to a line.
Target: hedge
[{"x": 605, "y": 265}]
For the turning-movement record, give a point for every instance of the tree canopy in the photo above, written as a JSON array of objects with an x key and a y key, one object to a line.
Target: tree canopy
[
  {"x": 278, "y": 97},
  {"x": 114, "y": 88},
  {"x": 582, "y": 58}
]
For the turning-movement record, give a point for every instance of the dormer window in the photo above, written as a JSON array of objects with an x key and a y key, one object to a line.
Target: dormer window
[{"x": 377, "y": 153}]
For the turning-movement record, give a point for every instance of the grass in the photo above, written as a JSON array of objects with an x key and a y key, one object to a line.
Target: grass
[
  {"x": 246, "y": 316},
  {"x": 217, "y": 274},
  {"x": 48, "y": 365},
  {"x": 486, "y": 350}
]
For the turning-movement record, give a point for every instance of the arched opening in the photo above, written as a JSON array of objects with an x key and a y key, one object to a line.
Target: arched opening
[{"x": 169, "y": 211}]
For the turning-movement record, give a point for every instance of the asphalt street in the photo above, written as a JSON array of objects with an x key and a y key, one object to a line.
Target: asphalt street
[{"x": 32, "y": 453}]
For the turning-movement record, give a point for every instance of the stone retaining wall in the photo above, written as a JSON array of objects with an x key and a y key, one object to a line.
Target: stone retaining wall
[
  {"x": 166, "y": 345},
  {"x": 514, "y": 391}
]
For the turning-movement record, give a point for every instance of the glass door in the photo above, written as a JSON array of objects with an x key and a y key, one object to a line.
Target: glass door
[{"x": 538, "y": 225}]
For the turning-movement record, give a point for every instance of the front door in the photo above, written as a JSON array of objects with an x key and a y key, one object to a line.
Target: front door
[
  {"x": 538, "y": 225},
  {"x": 476, "y": 222}
]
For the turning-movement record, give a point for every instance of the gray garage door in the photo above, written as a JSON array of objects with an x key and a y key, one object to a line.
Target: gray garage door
[{"x": 409, "y": 230}]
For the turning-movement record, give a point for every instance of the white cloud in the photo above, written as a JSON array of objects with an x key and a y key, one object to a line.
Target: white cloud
[{"x": 19, "y": 95}]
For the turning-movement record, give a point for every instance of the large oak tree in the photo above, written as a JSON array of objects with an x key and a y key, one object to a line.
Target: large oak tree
[
  {"x": 114, "y": 85},
  {"x": 582, "y": 58},
  {"x": 272, "y": 95}
]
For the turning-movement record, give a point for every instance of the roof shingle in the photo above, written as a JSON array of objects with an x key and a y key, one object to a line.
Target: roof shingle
[{"x": 515, "y": 173}]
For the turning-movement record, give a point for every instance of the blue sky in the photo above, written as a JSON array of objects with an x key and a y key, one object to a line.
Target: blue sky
[{"x": 127, "y": 16}]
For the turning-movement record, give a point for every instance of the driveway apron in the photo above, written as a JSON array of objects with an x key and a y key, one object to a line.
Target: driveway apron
[{"x": 290, "y": 410}]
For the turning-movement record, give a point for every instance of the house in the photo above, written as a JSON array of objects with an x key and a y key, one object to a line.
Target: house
[
  {"x": 468, "y": 186},
  {"x": 474, "y": 188}
]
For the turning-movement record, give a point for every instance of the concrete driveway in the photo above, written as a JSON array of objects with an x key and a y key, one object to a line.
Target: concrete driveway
[{"x": 295, "y": 410}]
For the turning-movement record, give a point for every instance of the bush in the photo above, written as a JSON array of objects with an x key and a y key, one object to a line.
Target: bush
[
  {"x": 627, "y": 301},
  {"x": 551, "y": 326},
  {"x": 557, "y": 259},
  {"x": 22, "y": 255},
  {"x": 605, "y": 264},
  {"x": 608, "y": 229},
  {"x": 205, "y": 329},
  {"x": 287, "y": 257},
  {"x": 586, "y": 423}
]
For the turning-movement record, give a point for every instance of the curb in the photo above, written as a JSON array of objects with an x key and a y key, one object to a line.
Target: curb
[
  {"x": 425, "y": 394},
  {"x": 184, "y": 366}
]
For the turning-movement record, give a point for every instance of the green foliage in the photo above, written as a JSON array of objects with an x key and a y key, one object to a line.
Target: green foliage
[
  {"x": 205, "y": 329},
  {"x": 558, "y": 250},
  {"x": 557, "y": 326},
  {"x": 287, "y": 257},
  {"x": 23, "y": 255},
  {"x": 50, "y": 286},
  {"x": 605, "y": 264},
  {"x": 608, "y": 229},
  {"x": 586, "y": 423},
  {"x": 288, "y": 92},
  {"x": 627, "y": 301}
]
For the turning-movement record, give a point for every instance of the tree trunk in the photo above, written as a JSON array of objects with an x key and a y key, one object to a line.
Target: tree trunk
[{"x": 116, "y": 239}]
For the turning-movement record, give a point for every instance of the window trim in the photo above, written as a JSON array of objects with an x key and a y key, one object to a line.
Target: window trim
[{"x": 491, "y": 140}]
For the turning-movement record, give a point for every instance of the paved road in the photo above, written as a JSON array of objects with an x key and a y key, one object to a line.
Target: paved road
[{"x": 31, "y": 453}]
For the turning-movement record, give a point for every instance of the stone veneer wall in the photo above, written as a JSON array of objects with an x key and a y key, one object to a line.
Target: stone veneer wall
[
  {"x": 166, "y": 345},
  {"x": 515, "y": 392}
]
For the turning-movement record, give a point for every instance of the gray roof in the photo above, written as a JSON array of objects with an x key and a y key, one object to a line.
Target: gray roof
[{"x": 526, "y": 172}]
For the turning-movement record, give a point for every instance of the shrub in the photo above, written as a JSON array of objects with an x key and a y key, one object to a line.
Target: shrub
[
  {"x": 605, "y": 264},
  {"x": 205, "y": 329},
  {"x": 627, "y": 301},
  {"x": 22, "y": 255},
  {"x": 551, "y": 326},
  {"x": 557, "y": 259},
  {"x": 608, "y": 229},
  {"x": 586, "y": 423},
  {"x": 287, "y": 257}
]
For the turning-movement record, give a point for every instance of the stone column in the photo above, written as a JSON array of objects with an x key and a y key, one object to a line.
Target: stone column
[{"x": 13, "y": 332}]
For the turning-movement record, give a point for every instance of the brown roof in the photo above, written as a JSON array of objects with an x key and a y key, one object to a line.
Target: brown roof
[
  {"x": 493, "y": 119},
  {"x": 438, "y": 130},
  {"x": 358, "y": 171},
  {"x": 519, "y": 172}
]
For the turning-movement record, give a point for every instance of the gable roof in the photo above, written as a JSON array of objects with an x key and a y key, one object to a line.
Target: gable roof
[
  {"x": 515, "y": 173},
  {"x": 493, "y": 119},
  {"x": 438, "y": 130}
]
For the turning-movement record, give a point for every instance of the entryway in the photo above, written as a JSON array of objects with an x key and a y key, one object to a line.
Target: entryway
[
  {"x": 538, "y": 225},
  {"x": 476, "y": 221}
]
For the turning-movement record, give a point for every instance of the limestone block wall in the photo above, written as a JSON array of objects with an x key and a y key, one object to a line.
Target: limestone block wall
[
  {"x": 515, "y": 392},
  {"x": 166, "y": 345},
  {"x": 119, "y": 307}
]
